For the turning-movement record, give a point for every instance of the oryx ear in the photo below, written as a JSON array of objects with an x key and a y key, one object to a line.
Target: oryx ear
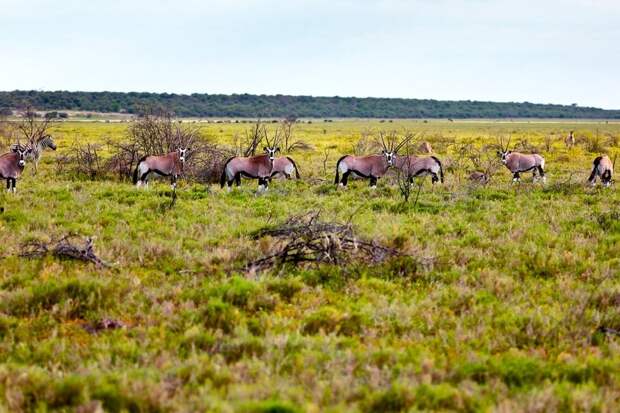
[
  {"x": 383, "y": 151},
  {"x": 278, "y": 149},
  {"x": 14, "y": 148},
  {"x": 265, "y": 149}
]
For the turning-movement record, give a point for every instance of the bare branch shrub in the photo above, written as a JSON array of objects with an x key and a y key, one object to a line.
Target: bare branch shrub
[
  {"x": 306, "y": 239},
  {"x": 288, "y": 144},
  {"x": 31, "y": 127},
  {"x": 160, "y": 134}
]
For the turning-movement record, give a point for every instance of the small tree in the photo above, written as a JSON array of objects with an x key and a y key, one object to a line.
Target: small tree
[
  {"x": 158, "y": 134},
  {"x": 31, "y": 127}
]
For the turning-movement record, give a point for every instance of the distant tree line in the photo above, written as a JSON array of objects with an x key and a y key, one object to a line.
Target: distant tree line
[{"x": 283, "y": 106}]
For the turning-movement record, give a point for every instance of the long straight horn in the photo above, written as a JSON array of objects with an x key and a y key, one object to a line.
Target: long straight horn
[
  {"x": 508, "y": 144},
  {"x": 404, "y": 142},
  {"x": 382, "y": 141}
]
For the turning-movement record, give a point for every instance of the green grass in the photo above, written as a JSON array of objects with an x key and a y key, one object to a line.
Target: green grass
[{"x": 498, "y": 309}]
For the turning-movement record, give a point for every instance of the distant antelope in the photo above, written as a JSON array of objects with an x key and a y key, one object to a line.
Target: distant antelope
[
  {"x": 480, "y": 177},
  {"x": 371, "y": 167},
  {"x": 254, "y": 167},
  {"x": 570, "y": 140},
  {"x": 284, "y": 166},
  {"x": 425, "y": 147},
  {"x": 12, "y": 165},
  {"x": 603, "y": 168},
  {"x": 170, "y": 165},
  {"x": 517, "y": 163},
  {"x": 38, "y": 146}
]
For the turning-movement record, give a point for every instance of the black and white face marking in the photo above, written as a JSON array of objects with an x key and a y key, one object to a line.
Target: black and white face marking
[
  {"x": 183, "y": 154},
  {"x": 271, "y": 152},
  {"x": 503, "y": 155},
  {"x": 22, "y": 155},
  {"x": 389, "y": 157}
]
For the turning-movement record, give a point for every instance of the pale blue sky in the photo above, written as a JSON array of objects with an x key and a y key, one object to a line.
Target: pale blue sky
[{"x": 545, "y": 51}]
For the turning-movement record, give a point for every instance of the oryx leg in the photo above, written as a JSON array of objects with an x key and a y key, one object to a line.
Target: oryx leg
[
  {"x": 173, "y": 182},
  {"x": 13, "y": 184},
  {"x": 373, "y": 182},
  {"x": 237, "y": 179},
  {"x": 516, "y": 177},
  {"x": 345, "y": 178},
  {"x": 8, "y": 184},
  {"x": 434, "y": 178},
  {"x": 592, "y": 178},
  {"x": 261, "y": 184},
  {"x": 541, "y": 172}
]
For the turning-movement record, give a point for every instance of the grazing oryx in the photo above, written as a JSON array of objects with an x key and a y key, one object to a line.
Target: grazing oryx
[
  {"x": 38, "y": 146},
  {"x": 518, "y": 162},
  {"x": 170, "y": 165},
  {"x": 371, "y": 167},
  {"x": 253, "y": 167},
  {"x": 603, "y": 168},
  {"x": 12, "y": 165},
  {"x": 570, "y": 140},
  {"x": 284, "y": 166}
]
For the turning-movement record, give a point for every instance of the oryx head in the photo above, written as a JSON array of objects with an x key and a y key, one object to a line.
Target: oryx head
[
  {"x": 503, "y": 152},
  {"x": 22, "y": 153},
  {"x": 391, "y": 146},
  {"x": 271, "y": 152},
  {"x": 183, "y": 154},
  {"x": 389, "y": 156}
]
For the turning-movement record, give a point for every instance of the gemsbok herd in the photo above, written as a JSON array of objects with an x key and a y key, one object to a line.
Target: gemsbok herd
[{"x": 267, "y": 166}]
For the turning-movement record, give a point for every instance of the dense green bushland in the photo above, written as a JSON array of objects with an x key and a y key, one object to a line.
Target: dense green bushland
[
  {"x": 509, "y": 301},
  {"x": 244, "y": 105}
]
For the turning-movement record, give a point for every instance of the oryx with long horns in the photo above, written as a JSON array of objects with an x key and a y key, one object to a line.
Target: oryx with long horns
[
  {"x": 12, "y": 165},
  {"x": 518, "y": 163},
  {"x": 253, "y": 167},
  {"x": 603, "y": 168},
  {"x": 371, "y": 167},
  {"x": 170, "y": 165}
]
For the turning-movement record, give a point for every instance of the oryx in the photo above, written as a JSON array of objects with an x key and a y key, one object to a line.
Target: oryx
[
  {"x": 284, "y": 166},
  {"x": 602, "y": 167},
  {"x": 518, "y": 162},
  {"x": 371, "y": 167},
  {"x": 414, "y": 166},
  {"x": 254, "y": 167},
  {"x": 170, "y": 165},
  {"x": 12, "y": 165}
]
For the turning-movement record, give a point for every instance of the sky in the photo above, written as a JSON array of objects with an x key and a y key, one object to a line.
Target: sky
[{"x": 544, "y": 51}]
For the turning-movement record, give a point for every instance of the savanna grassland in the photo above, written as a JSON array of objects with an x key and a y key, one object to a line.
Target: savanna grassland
[{"x": 509, "y": 299}]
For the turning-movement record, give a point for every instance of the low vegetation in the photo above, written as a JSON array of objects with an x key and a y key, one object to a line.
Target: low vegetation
[{"x": 497, "y": 297}]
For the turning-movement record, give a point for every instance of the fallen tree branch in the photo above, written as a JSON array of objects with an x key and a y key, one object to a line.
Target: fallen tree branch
[
  {"x": 63, "y": 249},
  {"x": 306, "y": 239}
]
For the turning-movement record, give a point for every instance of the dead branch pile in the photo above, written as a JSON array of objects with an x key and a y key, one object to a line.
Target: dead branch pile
[
  {"x": 306, "y": 239},
  {"x": 64, "y": 249}
]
